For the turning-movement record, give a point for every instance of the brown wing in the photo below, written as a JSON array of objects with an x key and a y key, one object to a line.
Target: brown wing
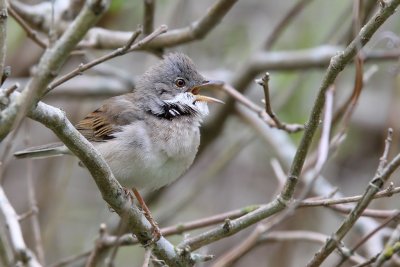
[
  {"x": 96, "y": 126},
  {"x": 101, "y": 124}
]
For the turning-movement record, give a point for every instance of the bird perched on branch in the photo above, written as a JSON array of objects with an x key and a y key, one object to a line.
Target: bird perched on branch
[{"x": 149, "y": 137}]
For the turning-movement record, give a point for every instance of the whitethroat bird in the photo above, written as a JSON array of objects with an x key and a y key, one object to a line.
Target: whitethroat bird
[{"x": 149, "y": 137}]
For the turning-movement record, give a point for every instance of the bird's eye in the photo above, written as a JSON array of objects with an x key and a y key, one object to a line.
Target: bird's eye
[{"x": 180, "y": 82}]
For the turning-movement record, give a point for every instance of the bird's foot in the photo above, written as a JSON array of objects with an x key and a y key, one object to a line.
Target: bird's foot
[{"x": 146, "y": 212}]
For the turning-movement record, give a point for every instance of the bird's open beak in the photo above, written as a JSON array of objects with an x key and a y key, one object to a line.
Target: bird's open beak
[{"x": 206, "y": 85}]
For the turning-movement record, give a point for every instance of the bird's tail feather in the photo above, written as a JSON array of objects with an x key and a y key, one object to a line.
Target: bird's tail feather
[{"x": 45, "y": 151}]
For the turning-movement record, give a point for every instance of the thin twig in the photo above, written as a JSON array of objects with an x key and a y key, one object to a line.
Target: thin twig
[
  {"x": 331, "y": 201},
  {"x": 51, "y": 60},
  {"x": 34, "y": 219},
  {"x": 128, "y": 47},
  {"x": 345, "y": 257},
  {"x": 243, "y": 247},
  {"x": 69, "y": 260},
  {"x": 381, "y": 176},
  {"x": 26, "y": 214},
  {"x": 264, "y": 82},
  {"x": 92, "y": 260},
  {"x": 31, "y": 33},
  {"x": 197, "y": 30},
  {"x": 291, "y": 128},
  {"x": 380, "y": 227},
  {"x": 394, "y": 237},
  {"x": 147, "y": 255},
  {"x": 21, "y": 253},
  {"x": 387, "y": 254}
]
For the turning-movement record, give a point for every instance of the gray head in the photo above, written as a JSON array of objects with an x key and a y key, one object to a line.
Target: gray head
[{"x": 171, "y": 88}]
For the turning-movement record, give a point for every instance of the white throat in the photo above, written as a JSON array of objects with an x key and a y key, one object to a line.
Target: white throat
[{"x": 187, "y": 102}]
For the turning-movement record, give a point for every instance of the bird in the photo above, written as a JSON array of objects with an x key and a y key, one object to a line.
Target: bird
[{"x": 150, "y": 136}]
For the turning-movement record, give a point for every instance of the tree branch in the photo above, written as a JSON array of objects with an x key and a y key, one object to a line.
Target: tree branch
[
  {"x": 50, "y": 63},
  {"x": 106, "y": 39},
  {"x": 382, "y": 175},
  {"x": 21, "y": 252}
]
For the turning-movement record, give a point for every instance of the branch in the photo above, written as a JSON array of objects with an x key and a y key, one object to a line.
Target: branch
[
  {"x": 329, "y": 202},
  {"x": 21, "y": 252},
  {"x": 317, "y": 57},
  {"x": 382, "y": 175},
  {"x": 128, "y": 47},
  {"x": 106, "y": 39},
  {"x": 29, "y": 31},
  {"x": 270, "y": 119},
  {"x": 50, "y": 63},
  {"x": 395, "y": 236},
  {"x": 281, "y": 236},
  {"x": 264, "y": 82},
  {"x": 284, "y": 149},
  {"x": 336, "y": 65}
]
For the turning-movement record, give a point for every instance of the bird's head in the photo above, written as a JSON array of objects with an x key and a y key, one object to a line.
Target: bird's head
[{"x": 172, "y": 88}]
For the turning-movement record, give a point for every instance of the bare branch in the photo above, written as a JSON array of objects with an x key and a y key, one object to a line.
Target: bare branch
[
  {"x": 128, "y": 47},
  {"x": 281, "y": 236},
  {"x": 21, "y": 253},
  {"x": 381, "y": 176},
  {"x": 369, "y": 235},
  {"x": 291, "y": 128},
  {"x": 337, "y": 64},
  {"x": 102, "y": 38},
  {"x": 34, "y": 218},
  {"x": 264, "y": 82},
  {"x": 29, "y": 31},
  {"x": 383, "y": 256},
  {"x": 334, "y": 201},
  {"x": 50, "y": 63}
]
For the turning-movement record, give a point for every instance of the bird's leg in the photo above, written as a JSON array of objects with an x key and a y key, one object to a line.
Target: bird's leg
[{"x": 147, "y": 214}]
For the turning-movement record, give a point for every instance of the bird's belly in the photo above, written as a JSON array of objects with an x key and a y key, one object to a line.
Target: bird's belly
[{"x": 151, "y": 166}]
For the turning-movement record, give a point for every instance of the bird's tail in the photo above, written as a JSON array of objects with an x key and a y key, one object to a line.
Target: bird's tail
[{"x": 45, "y": 151}]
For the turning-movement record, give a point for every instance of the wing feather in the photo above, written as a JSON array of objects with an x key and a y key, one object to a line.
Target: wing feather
[{"x": 101, "y": 124}]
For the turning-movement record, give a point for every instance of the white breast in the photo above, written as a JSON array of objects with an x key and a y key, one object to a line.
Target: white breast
[{"x": 142, "y": 157}]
